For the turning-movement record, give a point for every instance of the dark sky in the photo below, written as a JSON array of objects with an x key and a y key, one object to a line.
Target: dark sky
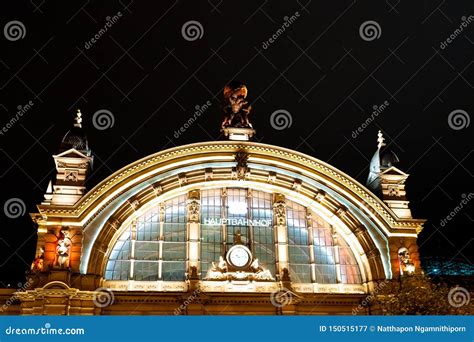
[{"x": 322, "y": 70}]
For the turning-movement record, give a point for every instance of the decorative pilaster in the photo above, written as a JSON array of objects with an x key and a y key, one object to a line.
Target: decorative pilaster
[
  {"x": 133, "y": 237},
  {"x": 337, "y": 261},
  {"x": 194, "y": 214},
  {"x": 281, "y": 241},
  {"x": 312, "y": 260}
]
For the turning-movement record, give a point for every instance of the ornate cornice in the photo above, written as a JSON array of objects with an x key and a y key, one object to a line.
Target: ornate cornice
[{"x": 103, "y": 193}]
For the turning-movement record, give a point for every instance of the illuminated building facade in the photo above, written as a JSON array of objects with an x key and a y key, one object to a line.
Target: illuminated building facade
[{"x": 225, "y": 227}]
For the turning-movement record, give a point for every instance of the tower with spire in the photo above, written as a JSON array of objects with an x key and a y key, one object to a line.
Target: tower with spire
[
  {"x": 387, "y": 181},
  {"x": 73, "y": 163}
]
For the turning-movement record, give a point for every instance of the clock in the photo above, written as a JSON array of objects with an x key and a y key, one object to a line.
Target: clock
[{"x": 239, "y": 256}]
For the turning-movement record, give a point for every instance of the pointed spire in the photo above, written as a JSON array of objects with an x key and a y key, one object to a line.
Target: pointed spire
[
  {"x": 380, "y": 140},
  {"x": 48, "y": 196},
  {"x": 49, "y": 190},
  {"x": 78, "y": 119}
]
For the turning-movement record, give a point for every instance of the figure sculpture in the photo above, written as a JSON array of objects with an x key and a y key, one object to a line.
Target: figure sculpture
[
  {"x": 236, "y": 107},
  {"x": 63, "y": 250}
]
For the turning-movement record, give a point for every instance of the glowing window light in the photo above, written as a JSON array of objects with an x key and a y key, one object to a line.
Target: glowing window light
[{"x": 237, "y": 208}]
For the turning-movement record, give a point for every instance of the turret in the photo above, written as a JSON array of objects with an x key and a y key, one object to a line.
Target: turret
[
  {"x": 387, "y": 181},
  {"x": 73, "y": 163}
]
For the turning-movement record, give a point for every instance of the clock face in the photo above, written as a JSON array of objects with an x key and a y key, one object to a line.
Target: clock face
[{"x": 239, "y": 256}]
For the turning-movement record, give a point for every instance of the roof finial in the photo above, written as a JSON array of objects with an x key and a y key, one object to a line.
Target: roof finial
[
  {"x": 78, "y": 119},
  {"x": 380, "y": 140}
]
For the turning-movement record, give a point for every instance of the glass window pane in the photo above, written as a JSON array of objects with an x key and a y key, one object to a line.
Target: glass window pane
[
  {"x": 146, "y": 270},
  {"x": 300, "y": 273},
  {"x": 261, "y": 211},
  {"x": 147, "y": 250},
  {"x": 350, "y": 272},
  {"x": 237, "y": 213},
  {"x": 298, "y": 243},
  {"x": 326, "y": 274},
  {"x": 173, "y": 251},
  {"x": 173, "y": 270},
  {"x": 211, "y": 228},
  {"x": 117, "y": 270}
]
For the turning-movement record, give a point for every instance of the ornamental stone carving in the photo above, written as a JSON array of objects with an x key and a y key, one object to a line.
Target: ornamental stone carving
[
  {"x": 193, "y": 210},
  {"x": 279, "y": 210}
]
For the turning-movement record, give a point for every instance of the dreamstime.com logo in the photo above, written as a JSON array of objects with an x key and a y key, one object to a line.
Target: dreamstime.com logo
[
  {"x": 370, "y": 30},
  {"x": 367, "y": 300},
  {"x": 466, "y": 198},
  {"x": 459, "y": 296},
  {"x": 110, "y": 21},
  {"x": 458, "y": 119},
  {"x": 103, "y": 297},
  {"x": 281, "y": 119},
  {"x": 179, "y": 310},
  {"x": 46, "y": 330},
  {"x": 288, "y": 21},
  {"x": 14, "y": 30},
  {"x": 281, "y": 298},
  {"x": 377, "y": 110},
  {"x": 103, "y": 119},
  {"x": 465, "y": 21},
  {"x": 14, "y": 208},
  {"x": 12, "y": 299},
  {"x": 21, "y": 110},
  {"x": 199, "y": 110},
  {"x": 192, "y": 30}
]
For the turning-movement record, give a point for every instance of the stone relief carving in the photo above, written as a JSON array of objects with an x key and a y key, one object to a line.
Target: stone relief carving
[
  {"x": 279, "y": 211},
  {"x": 193, "y": 210}
]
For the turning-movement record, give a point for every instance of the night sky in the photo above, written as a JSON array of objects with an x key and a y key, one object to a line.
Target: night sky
[{"x": 323, "y": 72}]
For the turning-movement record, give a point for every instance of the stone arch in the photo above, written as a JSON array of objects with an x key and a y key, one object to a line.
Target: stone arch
[{"x": 100, "y": 213}]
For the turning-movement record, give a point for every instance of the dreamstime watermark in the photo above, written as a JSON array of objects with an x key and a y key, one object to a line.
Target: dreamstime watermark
[
  {"x": 12, "y": 299},
  {"x": 370, "y": 30},
  {"x": 22, "y": 110},
  {"x": 14, "y": 30},
  {"x": 110, "y": 21},
  {"x": 281, "y": 119},
  {"x": 281, "y": 298},
  {"x": 457, "y": 32},
  {"x": 199, "y": 110},
  {"x": 367, "y": 300},
  {"x": 288, "y": 21},
  {"x": 459, "y": 119},
  {"x": 103, "y": 119},
  {"x": 377, "y": 110},
  {"x": 458, "y": 296},
  {"x": 46, "y": 330},
  {"x": 14, "y": 208},
  {"x": 192, "y": 30},
  {"x": 188, "y": 301},
  {"x": 103, "y": 297},
  {"x": 465, "y": 200}
]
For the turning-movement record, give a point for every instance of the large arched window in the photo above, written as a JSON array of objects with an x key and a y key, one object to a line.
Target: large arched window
[{"x": 154, "y": 247}]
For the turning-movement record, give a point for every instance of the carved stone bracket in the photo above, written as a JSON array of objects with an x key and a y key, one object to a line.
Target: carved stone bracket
[
  {"x": 241, "y": 171},
  {"x": 157, "y": 189},
  {"x": 320, "y": 196},
  {"x": 182, "y": 180}
]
